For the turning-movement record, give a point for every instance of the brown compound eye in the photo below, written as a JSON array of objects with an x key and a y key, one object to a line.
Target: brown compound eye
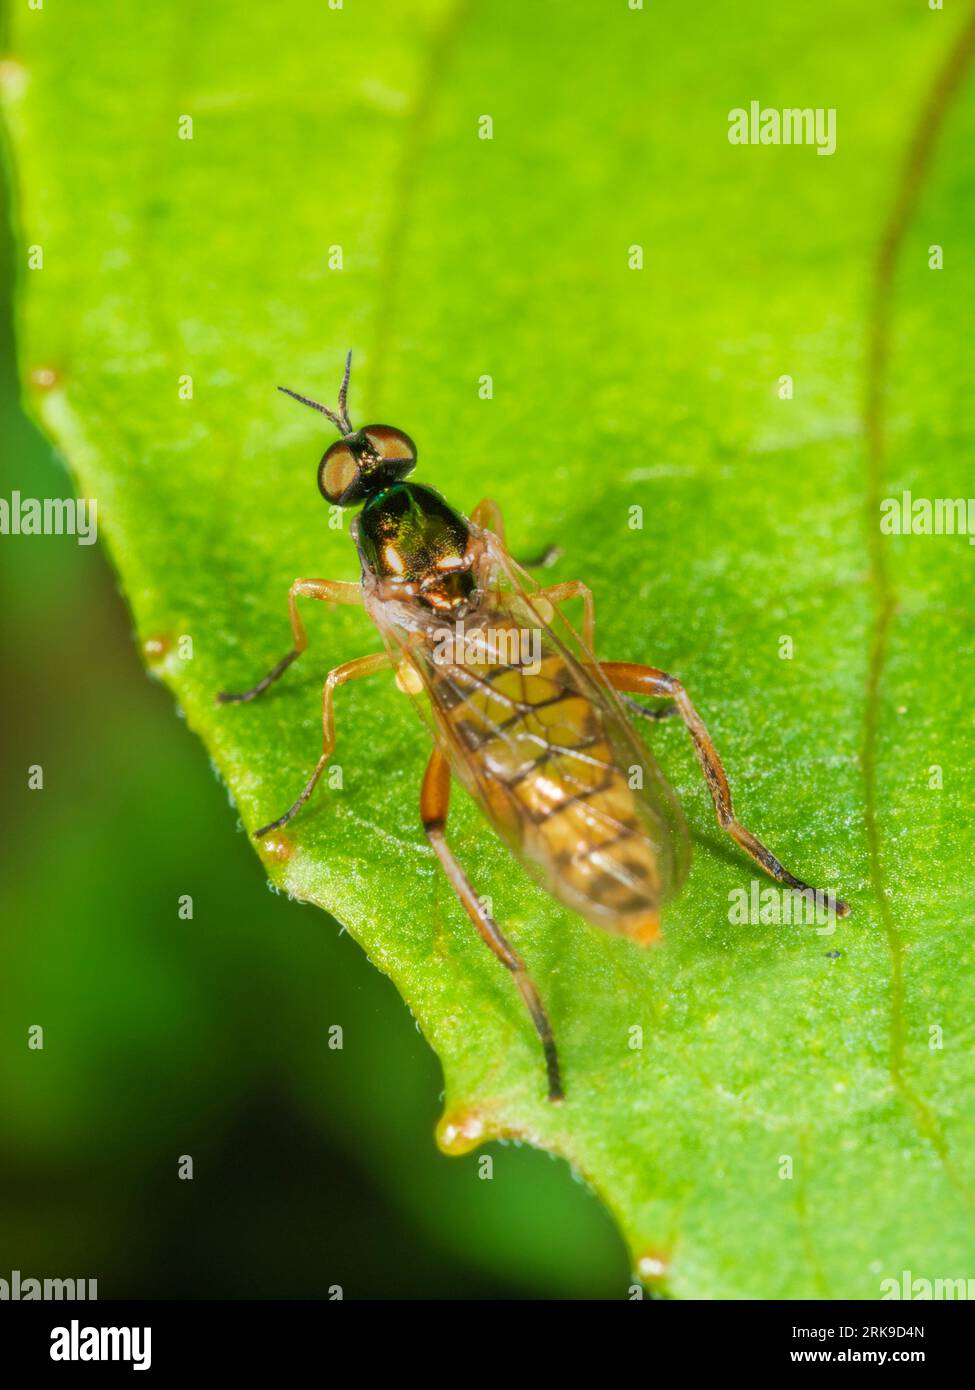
[
  {"x": 390, "y": 445},
  {"x": 337, "y": 472},
  {"x": 364, "y": 462}
]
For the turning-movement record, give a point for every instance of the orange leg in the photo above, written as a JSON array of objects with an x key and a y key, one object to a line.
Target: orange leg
[
  {"x": 350, "y": 671},
  {"x": 329, "y": 591},
  {"x": 434, "y": 804},
  {"x": 647, "y": 680}
]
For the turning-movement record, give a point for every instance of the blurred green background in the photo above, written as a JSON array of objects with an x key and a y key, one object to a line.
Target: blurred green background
[{"x": 166, "y": 1037}]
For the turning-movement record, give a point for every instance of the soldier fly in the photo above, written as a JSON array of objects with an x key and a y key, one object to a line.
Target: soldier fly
[{"x": 537, "y": 731}]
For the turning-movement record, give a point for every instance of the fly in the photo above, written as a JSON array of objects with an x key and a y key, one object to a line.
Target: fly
[{"x": 520, "y": 710}]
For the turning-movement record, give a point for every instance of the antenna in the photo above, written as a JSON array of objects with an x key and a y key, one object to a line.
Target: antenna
[{"x": 341, "y": 421}]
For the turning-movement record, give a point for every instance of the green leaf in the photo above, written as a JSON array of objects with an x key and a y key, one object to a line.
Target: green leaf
[{"x": 844, "y": 1058}]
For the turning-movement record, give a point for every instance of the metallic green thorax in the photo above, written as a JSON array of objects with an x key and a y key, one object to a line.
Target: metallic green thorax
[{"x": 410, "y": 532}]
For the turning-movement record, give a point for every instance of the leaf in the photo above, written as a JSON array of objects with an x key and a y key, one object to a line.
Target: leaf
[{"x": 844, "y": 1058}]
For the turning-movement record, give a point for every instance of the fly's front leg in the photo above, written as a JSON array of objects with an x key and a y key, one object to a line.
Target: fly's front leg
[
  {"x": 350, "y": 671},
  {"x": 647, "y": 680},
  {"x": 329, "y": 591},
  {"x": 434, "y": 804},
  {"x": 487, "y": 514}
]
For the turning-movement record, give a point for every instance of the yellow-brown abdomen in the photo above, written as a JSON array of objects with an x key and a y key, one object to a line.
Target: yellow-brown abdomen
[{"x": 546, "y": 768}]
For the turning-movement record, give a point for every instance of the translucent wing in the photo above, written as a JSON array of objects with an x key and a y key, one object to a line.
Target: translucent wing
[{"x": 540, "y": 739}]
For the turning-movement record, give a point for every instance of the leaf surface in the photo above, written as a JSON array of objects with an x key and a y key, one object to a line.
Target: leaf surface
[{"x": 798, "y": 1120}]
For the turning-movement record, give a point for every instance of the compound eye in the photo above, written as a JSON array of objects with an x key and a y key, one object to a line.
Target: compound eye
[
  {"x": 391, "y": 445},
  {"x": 337, "y": 472}
]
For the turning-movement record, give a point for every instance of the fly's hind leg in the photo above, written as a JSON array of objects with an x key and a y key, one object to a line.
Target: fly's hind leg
[
  {"x": 350, "y": 671},
  {"x": 644, "y": 711},
  {"x": 329, "y": 591},
  {"x": 434, "y": 804},
  {"x": 647, "y": 680},
  {"x": 487, "y": 513}
]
